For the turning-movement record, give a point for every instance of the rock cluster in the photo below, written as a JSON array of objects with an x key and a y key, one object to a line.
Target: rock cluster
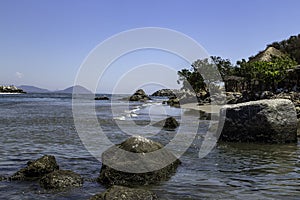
[
  {"x": 46, "y": 170},
  {"x": 165, "y": 93},
  {"x": 139, "y": 95}
]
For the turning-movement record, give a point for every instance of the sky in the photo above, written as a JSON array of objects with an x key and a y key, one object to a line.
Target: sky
[{"x": 45, "y": 43}]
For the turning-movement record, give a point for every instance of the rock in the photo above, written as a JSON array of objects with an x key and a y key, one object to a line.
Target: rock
[
  {"x": 125, "y": 193},
  {"x": 61, "y": 179},
  {"x": 37, "y": 168},
  {"x": 2, "y": 178},
  {"x": 263, "y": 121},
  {"x": 169, "y": 123},
  {"x": 135, "y": 165},
  {"x": 139, "y": 95},
  {"x": 102, "y": 98},
  {"x": 173, "y": 101},
  {"x": 164, "y": 93}
]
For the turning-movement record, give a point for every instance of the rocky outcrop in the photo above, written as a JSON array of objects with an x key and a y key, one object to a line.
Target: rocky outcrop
[
  {"x": 263, "y": 121},
  {"x": 61, "y": 179},
  {"x": 131, "y": 163},
  {"x": 169, "y": 123},
  {"x": 125, "y": 193},
  {"x": 10, "y": 89},
  {"x": 102, "y": 98},
  {"x": 164, "y": 93},
  {"x": 139, "y": 95},
  {"x": 37, "y": 168}
]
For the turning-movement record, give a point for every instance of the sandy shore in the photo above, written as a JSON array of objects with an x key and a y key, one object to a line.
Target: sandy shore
[{"x": 205, "y": 108}]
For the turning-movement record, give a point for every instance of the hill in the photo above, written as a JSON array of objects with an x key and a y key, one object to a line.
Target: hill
[
  {"x": 267, "y": 55},
  {"x": 33, "y": 89},
  {"x": 77, "y": 88},
  {"x": 289, "y": 46}
]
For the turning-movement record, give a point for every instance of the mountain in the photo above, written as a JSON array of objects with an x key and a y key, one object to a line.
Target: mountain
[
  {"x": 33, "y": 89},
  {"x": 77, "y": 88}
]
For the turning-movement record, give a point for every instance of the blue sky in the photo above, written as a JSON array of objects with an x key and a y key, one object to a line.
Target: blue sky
[{"x": 44, "y": 42}]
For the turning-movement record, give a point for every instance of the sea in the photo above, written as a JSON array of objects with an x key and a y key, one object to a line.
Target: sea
[{"x": 33, "y": 125}]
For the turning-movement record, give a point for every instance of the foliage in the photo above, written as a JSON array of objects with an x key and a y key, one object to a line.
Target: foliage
[
  {"x": 268, "y": 74},
  {"x": 205, "y": 72}
]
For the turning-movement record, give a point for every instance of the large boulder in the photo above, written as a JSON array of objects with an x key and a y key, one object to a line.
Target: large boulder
[
  {"x": 137, "y": 161},
  {"x": 263, "y": 121},
  {"x": 61, "y": 179},
  {"x": 139, "y": 95},
  {"x": 125, "y": 193},
  {"x": 37, "y": 168}
]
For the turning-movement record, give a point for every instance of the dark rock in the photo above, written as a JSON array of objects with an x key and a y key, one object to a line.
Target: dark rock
[
  {"x": 264, "y": 121},
  {"x": 125, "y": 193},
  {"x": 2, "y": 178},
  {"x": 139, "y": 95},
  {"x": 137, "y": 161},
  {"x": 61, "y": 179},
  {"x": 164, "y": 93},
  {"x": 37, "y": 168},
  {"x": 169, "y": 123},
  {"x": 173, "y": 101},
  {"x": 102, "y": 98}
]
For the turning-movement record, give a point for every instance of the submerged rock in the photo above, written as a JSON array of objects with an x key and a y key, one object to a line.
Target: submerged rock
[
  {"x": 169, "y": 123},
  {"x": 139, "y": 95},
  {"x": 125, "y": 193},
  {"x": 37, "y": 168},
  {"x": 264, "y": 121},
  {"x": 102, "y": 98},
  {"x": 137, "y": 161},
  {"x": 61, "y": 179}
]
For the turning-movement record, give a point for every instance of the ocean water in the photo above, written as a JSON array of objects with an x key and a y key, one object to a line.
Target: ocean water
[{"x": 32, "y": 125}]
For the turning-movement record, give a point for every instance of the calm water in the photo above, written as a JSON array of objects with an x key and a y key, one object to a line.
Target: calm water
[{"x": 33, "y": 125}]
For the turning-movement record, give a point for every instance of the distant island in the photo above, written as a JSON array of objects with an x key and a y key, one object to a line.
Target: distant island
[
  {"x": 10, "y": 89},
  {"x": 77, "y": 88}
]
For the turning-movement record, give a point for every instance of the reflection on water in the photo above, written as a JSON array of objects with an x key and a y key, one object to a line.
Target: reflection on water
[{"x": 34, "y": 125}]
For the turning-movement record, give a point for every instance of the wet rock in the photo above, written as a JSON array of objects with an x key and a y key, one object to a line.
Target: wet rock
[
  {"x": 2, "y": 178},
  {"x": 137, "y": 161},
  {"x": 125, "y": 193},
  {"x": 173, "y": 101},
  {"x": 102, "y": 98},
  {"x": 264, "y": 121},
  {"x": 169, "y": 123},
  {"x": 61, "y": 179},
  {"x": 139, "y": 95},
  {"x": 37, "y": 168}
]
